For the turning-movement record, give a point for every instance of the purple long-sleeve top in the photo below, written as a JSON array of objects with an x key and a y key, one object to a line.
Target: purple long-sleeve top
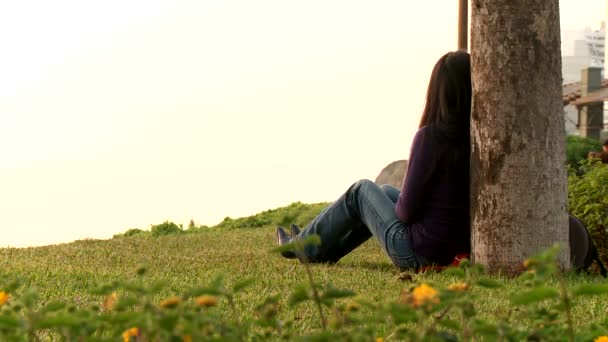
[{"x": 434, "y": 200}]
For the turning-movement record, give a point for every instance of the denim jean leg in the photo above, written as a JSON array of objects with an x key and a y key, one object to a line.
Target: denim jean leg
[
  {"x": 364, "y": 210},
  {"x": 356, "y": 237},
  {"x": 391, "y": 192},
  {"x": 377, "y": 212},
  {"x": 339, "y": 230}
]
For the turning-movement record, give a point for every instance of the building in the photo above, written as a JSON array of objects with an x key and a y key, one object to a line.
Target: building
[
  {"x": 595, "y": 41},
  {"x": 584, "y": 56}
]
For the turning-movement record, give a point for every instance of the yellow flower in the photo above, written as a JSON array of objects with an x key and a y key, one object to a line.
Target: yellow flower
[
  {"x": 4, "y": 297},
  {"x": 170, "y": 302},
  {"x": 529, "y": 262},
  {"x": 110, "y": 300},
  {"x": 601, "y": 339},
  {"x": 379, "y": 339},
  {"x": 133, "y": 332},
  {"x": 206, "y": 300},
  {"x": 458, "y": 287},
  {"x": 187, "y": 338},
  {"x": 424, "y": 294}
]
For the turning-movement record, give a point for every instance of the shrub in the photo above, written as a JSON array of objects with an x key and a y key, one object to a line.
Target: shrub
[
  {"x": 166, "y": 228},
  {"x": 301, "y": 214},
  {"x": 133, "y": 232},
  {"x": 297, "y": 212},
  {"x": 197, "y": 229},
  {"x": 588, "y": 200},
  {"x": 578, "y": 147}
]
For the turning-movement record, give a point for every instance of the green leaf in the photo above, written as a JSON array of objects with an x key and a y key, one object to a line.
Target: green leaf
[
  {"x": 284, "y": 248},
  {"x": 454, "y": 271},
  {"x": 240, "y": 285},
  {"x": 53, "y": 306},
  {"x": 105, "y": 289},
  {"x": 157, "y": 287},
  {"x": 484, "y": 328},
  {"x": 8, "y": 321},
  {"x": 450, "y": 324},
  {"x": 126, "y": 302},
  {"x": 121, "y": 318},
  {"x": 402, "y": 313},
  {"x": 590, "y": 289},
  {"x": 311, "y": 240},
  {"x": 328, "y": 295},
  {"x": 334, "y": 293},
  {"x": 299, "y": 295},
  {"x": 217, "y": 282},
  {"x": 58, "y": 320},
  {"x": 168, "y": 322},
  {"x": 489, "y": 283},
  {"x": 202, "y": 291},
  {"x": 534, "y": 295}
]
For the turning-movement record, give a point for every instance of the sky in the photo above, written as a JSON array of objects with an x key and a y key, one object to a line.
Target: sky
[{"x": 123, "y": 114}]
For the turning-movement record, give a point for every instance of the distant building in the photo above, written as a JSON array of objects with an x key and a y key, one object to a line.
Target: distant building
[
  {"x": 595, "y": 41},
  {"x": 605, "y": 50},
  {"x": 584, "y": 104},
  {"x": 577, "y": 61},
  {"x": 580, "y": 50}
]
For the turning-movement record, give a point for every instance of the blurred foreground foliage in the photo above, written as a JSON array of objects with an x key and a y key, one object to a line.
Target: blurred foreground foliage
[{"x": 540, "y": 308}]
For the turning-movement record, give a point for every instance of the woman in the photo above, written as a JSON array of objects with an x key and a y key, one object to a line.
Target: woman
[{"x": 428, "y": 221}]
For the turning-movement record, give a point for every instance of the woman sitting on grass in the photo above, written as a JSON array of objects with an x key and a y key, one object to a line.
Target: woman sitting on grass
[{"x": 428, "y": 221}]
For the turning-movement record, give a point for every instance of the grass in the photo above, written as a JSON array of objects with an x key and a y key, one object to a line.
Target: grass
[{"x": 67, "y": 272}]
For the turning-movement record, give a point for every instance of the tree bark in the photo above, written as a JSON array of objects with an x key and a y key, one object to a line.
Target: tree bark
[{"x": 518, "y": 174}]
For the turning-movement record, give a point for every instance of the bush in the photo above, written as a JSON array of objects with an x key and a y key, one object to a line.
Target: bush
[
  {"x": 298, "y": 213},
  {"x": 131, "y": 232},
  {"x": 166, "y": 228},
  {"x": 588, "y": 200},
  {"x": 195, "y": 230},
  {"x": 577, "y": 148}
]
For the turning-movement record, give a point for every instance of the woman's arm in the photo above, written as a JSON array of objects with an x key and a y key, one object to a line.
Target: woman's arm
[{"x": 421, "y": 165}]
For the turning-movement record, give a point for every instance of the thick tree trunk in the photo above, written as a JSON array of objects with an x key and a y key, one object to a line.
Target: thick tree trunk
[{"x": 518, "y": 174}]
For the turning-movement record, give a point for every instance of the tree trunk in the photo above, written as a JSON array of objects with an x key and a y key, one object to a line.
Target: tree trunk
[{"x": 518, "y": 173}]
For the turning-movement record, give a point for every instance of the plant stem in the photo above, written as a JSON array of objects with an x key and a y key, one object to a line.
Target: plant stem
[
  {"x": 566, "y": 300},
  {"x": 315, "y": 293},
  {"x": 230, "y": 299},
  {"x": 433, "y": 325}
]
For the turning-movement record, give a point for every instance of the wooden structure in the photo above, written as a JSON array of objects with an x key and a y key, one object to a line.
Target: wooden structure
[
  {"x": 463, "y": 25},
  {"x": 588, "y": 97}
]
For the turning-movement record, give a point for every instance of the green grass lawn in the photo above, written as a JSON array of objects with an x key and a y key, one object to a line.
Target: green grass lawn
[{"x": 68, "y": 272}]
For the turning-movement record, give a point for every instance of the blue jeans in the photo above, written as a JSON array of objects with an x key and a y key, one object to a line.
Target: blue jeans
[{"x": 363, "y": 211}]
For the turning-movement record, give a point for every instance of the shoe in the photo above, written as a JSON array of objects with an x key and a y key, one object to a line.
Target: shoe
[
  {"x": 295, "y": 230},
  {"x": 282, "y": 239}
]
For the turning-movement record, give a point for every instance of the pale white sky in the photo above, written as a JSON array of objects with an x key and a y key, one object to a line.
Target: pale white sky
[{"x": 122, "y": 114}]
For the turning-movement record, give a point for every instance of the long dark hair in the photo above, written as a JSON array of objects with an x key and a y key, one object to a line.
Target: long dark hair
[
  {"x": 448, "y": 98},
  {"x": 448, "y": 106}
]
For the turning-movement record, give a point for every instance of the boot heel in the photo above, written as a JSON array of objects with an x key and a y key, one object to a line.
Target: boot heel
[
  {"x": 282, "y": 239},
  {"x": 295, "y": 230}
]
